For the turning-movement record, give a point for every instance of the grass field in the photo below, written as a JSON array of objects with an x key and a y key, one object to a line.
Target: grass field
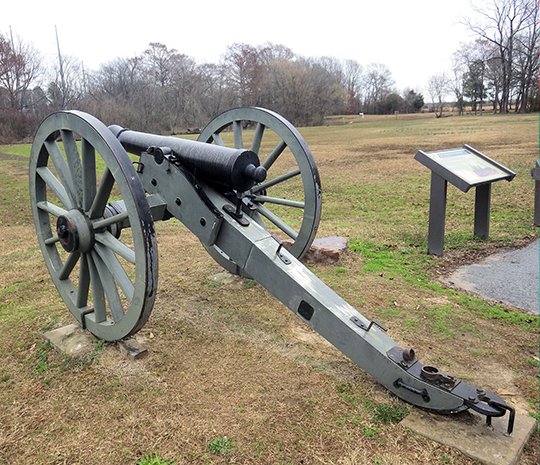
[{"x": 232, "y": 375}]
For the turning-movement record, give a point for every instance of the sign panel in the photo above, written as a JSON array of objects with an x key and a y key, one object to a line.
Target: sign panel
[
  {"x": 468, "y": 166},
  {"x": 464, "y": 167}
]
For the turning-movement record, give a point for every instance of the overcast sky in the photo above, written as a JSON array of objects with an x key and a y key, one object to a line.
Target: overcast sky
[{"x": 414, "y": 38}]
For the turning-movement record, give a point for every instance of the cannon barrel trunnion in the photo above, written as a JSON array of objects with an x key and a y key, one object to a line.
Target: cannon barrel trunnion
[{"x": 94, "y": 213}]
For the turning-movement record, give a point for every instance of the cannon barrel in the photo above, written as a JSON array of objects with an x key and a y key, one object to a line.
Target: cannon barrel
[{"x": 231, "y": 168}]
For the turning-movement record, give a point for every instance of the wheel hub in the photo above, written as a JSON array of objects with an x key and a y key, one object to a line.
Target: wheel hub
[{"x": 75, "y": 232}]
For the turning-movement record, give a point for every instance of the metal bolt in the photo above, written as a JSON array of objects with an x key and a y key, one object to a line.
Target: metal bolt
[{"x": 63, "y": 232}]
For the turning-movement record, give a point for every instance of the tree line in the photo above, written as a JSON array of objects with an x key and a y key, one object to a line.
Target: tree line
[
  {"x": 498, "y": 70},
  {"x": 163, "y": 90}
]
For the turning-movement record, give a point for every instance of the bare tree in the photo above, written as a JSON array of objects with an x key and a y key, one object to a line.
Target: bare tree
[
  {"x": 287, "y": 88},
  {"x": 20, "y": 66},
  {"x": 377, "y": 84},
  {"x": 269, "y": 53},
  {"x": 120, "y": 78},
  {"x": 526, "y": 63},
  {"x": 437, "y": 88},
  {"x": 502, "y": 25},
  {"x": 66, "y": 90},
  {"x": 244, "y": 73},
  {"x": 352, "y": 80}
]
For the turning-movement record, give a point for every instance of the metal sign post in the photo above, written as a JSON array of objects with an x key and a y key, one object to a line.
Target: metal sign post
[
  {"x": 437, "y": 214},
  {"x": 463, "y": 167},
  {"x": 535, "y": 173}
]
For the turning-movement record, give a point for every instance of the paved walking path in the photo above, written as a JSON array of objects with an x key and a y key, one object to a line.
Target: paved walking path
[{"x": 510, "y": 277}]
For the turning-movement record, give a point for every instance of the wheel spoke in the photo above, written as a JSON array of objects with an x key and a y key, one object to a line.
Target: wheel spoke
[
  {"x": 98, "y": 224},
  {"x": 273, "y": 182},
  {"x": 98, "y": 296},
  {"x": 278, "y": 201},
  {"x": 217, "y": 139},
  {"x": 84, "y": 283},
  {"x": 88, "y": 174},
  {"x": 102, "y": 196},
  {"x": 277, "y": 221},
  {"x": 118, "y": 272},
  {"x": 237, "y": 129},
  {"x": 74, "y": 163},
  {"x": 69, "y": 264},
  {"x": 278, "y": 150},
  {"x": 118, "y": 247},
  {"x": 51, "y": 240},
  {"x": 62, "y": 170},
  {"x": 55, "y": 185},
  {"x": 257, "y": 138},
  {"x": 51, "y": 208},
  {"x": 115, "y": 304}
]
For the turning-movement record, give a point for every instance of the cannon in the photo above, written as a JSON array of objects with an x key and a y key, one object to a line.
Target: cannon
[{"x": 94, "y": 208}]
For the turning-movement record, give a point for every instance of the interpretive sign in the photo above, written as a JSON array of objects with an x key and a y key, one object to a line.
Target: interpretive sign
[{"x": 464, "y": 167}]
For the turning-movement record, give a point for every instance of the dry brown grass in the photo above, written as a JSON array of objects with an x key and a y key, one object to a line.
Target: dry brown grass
[{"x": 229, "y": 360}]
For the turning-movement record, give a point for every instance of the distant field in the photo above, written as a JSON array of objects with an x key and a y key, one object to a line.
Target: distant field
[{"x": 229, "y": 360}]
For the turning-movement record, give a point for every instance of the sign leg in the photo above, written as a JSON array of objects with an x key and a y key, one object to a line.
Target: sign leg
[
  {"x": 535, "y": 173},
  {"x": 537, "y": 203},
  {"x": 482, "y": 205},
  {"x": 437, "y": 214}
]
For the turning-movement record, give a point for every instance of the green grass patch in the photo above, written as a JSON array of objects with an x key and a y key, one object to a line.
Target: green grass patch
[
  {"x": 154, "y": 459},
  {"x": 387, "y": 414},
  {"x": 413, "y": 266},
  {"x": 439, "y": 319},
  {"x": 11, "y": 288},
  {"x": 408, "y": 263},
  {"x": 20, "y": 150},
  {"x": 370, "y": 431},
  {"x": 495, "y": 312},
  {"x": 4, "y": 376},
  {"x": 220, "y": 446},
  {"x": 41, "y": 358}
]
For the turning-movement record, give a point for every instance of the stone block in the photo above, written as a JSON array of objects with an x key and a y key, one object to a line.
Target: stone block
[
  {"x": 71, "y": 340},
  {"x": 326, "y": 250}
]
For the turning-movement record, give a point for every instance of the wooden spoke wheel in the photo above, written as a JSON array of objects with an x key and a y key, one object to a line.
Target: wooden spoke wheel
[
  {"x": 102, "y": 259},
  {"x": 288, "y": 202}
]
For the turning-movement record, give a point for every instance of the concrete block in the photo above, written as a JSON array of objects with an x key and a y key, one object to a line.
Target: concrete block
[{"x": 469, "y": 433}]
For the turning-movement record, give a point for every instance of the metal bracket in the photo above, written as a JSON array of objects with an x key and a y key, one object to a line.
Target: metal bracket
[
  {"x": 85, "y": 311},
  {"x": 421, "y": 392},
  {"x": 281, "y": 255},
  {"x": 484, "y": 405},
  {"x": 139, "y": 167},
  {"x": 358, "y": 322},
  {"x": 239, "y": 217}
]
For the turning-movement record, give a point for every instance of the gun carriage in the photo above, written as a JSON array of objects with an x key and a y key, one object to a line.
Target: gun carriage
[{"x": 95, "y": 206}]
